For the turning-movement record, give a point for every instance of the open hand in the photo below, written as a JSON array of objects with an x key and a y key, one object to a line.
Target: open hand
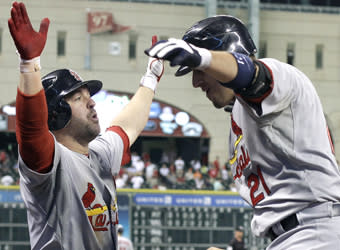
[
  {"x": 179, "y": 52},
  {"x": 28, "y": 42}
]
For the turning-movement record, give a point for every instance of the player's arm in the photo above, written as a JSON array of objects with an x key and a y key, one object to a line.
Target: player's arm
[
  {"x": 36, "y": 144},
  {"x": 249, "y": 78},
  {"x": 133, "y": 118},
  {"x": 233, "y": 70}
]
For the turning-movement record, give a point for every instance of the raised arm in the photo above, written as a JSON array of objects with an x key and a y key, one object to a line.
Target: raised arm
[
  {"x": 29, "y": 44},
  {"x": 36, "y": 144},
  {"x": 133, "y": 118}
]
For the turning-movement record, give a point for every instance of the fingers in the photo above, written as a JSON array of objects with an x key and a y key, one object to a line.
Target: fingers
[
  {"x": 44, "y": 26},
  {"x": 178, "y": 60},
  {"x": 18, "y": 7},
  {"x": 156, "y": 67},
  {"x": 12, "y": 28},
  {"x": 15, "y": 15},
  {"x": 165, "y": 48},
  {"x": 161, "y": 49},
  {"x": 167, "y": 51},
  {"x": 155, "y": 48},
  {"x": 24, "y": 14}
]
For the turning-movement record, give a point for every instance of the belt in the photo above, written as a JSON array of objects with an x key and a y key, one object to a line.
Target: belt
[
  {"x": 321, "y": 210},
  {"x": 287, "y": 224}
]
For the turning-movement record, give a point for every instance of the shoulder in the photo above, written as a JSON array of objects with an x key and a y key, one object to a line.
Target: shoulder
[
  {"x": 280, "y": 69},
  {"x": 271, "y": 62}
]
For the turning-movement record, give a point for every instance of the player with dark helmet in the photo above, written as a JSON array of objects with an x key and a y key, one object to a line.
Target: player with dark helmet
[
  {"x": 280, "y": 155},
  {"x": 66, "y": 165},
  {"x": 224, "y": 33},
  {"x": 57, "y": 85},
  {"x": 219, "y": 33}
]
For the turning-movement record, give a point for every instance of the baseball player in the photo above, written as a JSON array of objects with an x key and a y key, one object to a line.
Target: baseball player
[
  {"x": 123, "y": 242},
  {"x": 66, "y": 168},
  {"x": 281, "y": 156}
]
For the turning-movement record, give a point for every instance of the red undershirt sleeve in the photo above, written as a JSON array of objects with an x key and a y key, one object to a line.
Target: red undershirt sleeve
[
  {"x": 126, "y": 153},
  {"x": 36, "y": 143}
]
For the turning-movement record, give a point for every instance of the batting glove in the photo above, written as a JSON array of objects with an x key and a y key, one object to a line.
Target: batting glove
[
  {"x": 28, "y": 42},
  {"x": 179, "y": 52},
  {"x": 154, "y": 71}
]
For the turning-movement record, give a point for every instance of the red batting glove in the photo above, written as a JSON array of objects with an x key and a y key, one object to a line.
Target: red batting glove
[{"x": 29, "y": 43}]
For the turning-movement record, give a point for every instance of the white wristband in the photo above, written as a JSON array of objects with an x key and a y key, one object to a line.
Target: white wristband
[
  {"x": 30, "y": 66},
  {"x": 205, "y": 58},
  {"x": 149, "y": 81}
]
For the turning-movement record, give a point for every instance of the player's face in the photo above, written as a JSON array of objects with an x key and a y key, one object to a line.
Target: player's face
[
  {"x": 220, "y": 96},
  {"x": 84, "y": 122},
  {"x": 238, "y": 235}
]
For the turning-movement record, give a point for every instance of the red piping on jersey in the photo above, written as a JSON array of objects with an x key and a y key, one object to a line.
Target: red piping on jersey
[
  {"x": 36, "y": 144},
  {"x": 126, "y": 153}
]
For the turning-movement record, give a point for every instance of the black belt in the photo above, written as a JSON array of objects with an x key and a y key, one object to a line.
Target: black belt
[{"x": 287, "y": 224}]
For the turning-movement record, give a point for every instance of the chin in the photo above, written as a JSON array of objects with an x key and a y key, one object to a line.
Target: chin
[
  {"x": 217, "y": 105},
  {"x": 94, "y": 131}
]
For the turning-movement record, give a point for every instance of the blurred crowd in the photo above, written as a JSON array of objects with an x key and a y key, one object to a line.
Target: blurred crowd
[
  {"x": 176, "y": 174},
  {"x": 142, "y": 173},
  {"x": 9, "y": 174}
]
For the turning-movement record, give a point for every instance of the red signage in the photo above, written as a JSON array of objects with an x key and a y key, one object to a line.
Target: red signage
[{"x": 98, "y": 22}]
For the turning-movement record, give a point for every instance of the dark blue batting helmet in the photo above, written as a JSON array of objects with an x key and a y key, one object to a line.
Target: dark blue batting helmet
[
  {"x": 222, "y": 32},
  {"x": 57, "y": 85}
]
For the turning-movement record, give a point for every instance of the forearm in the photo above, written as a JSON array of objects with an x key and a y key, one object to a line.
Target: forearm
[
  {"x": 223, "y": 66},
  {"x": 30, "y": 83},
  {"x": 36, "y": 144},
  {"x": 133, "y": 118}
]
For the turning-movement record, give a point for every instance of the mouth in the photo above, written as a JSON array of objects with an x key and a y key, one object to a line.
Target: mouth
[
  {"x": 204, "y": 89},
  {"x": 94, "y": 116}
]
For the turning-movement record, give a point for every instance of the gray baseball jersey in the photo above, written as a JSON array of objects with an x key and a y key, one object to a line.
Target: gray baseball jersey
[
  {"x": 282, "y": 160},
  {"x": 74, "y": 206}
]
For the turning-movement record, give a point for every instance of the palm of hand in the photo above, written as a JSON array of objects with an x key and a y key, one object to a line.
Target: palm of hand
[{"x": 28, "y": 42}]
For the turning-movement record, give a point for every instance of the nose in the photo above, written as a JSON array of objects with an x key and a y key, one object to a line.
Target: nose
[
  {"x": 91, "y": 103},
  {"x": 197, "y": 78},
  {"x": 195, "y": 84}
]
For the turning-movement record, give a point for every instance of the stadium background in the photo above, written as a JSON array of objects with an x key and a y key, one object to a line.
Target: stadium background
[{"x": 299, "y": 32}]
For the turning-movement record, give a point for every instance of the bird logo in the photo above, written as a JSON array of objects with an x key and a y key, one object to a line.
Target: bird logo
[{"x": 89, "y": 196}]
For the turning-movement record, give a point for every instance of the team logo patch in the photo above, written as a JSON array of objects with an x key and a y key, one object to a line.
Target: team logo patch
[{"x": 75, "y": 75}]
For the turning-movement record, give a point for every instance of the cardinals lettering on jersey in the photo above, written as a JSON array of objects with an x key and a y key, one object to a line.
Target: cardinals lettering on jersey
[
  {"x": 246, "y": 175},
  {"x": 98, "y": 214}
]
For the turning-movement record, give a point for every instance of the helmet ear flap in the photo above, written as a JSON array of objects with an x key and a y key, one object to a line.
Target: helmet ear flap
[{"x": 59, "y": 116}]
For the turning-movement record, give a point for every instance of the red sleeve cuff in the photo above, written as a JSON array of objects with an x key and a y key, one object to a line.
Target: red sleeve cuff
[{"x": 126, "y": 153}]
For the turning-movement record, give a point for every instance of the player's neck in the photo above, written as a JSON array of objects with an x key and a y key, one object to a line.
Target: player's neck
[{"x": 70, "y": 142}]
